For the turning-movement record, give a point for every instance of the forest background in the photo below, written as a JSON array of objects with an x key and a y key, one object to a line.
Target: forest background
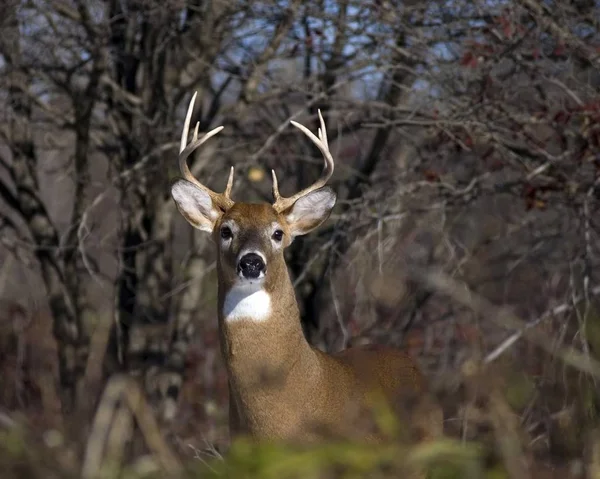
[{"x": 467, "y": 142}]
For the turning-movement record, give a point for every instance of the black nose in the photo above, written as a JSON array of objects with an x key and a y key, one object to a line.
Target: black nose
[{"x": 251, "y": 265}]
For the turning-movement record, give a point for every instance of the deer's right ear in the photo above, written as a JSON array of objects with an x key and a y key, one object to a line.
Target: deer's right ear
[{"x": 195, "y": 205}]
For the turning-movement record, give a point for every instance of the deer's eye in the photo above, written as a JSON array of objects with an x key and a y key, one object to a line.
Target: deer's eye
[
  {"x": 226, "y": 233},
  {"x": 277, "y": 235}
]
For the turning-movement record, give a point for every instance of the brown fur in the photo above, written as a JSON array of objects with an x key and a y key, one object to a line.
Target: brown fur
[{"x": 283, "y": 389}]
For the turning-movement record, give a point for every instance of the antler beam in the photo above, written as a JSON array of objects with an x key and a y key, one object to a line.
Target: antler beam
[
  {"x": 281, "y": 204},
  {"x": 221, "y": 200}
]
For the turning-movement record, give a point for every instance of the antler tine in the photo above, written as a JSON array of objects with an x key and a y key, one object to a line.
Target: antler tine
[
  {"x": 281, "y": 203},
  {"x": 222, "y": 200},
  {"x": 186, "y": 124}
]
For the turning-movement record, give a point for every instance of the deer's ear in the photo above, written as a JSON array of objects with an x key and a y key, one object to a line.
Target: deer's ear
[
  {"x": 195, "y": 205},
  {"x": 310, "y": 211}
]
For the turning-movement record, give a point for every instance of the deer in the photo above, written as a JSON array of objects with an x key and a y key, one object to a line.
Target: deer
[{"x": 280, "y": 387}]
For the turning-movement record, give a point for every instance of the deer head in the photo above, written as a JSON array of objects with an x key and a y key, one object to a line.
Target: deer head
[{"x": 251, "y": 237}]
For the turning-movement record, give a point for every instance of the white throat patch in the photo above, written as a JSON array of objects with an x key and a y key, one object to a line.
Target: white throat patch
[{"x": 247, "y": 302}]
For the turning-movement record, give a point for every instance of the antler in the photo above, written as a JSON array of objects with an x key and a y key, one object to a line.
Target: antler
[
  {"x": 221, "y": 200},
  {"x": 281, "y": 203}
]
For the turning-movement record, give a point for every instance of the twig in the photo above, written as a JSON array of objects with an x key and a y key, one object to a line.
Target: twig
[
  {"x": 567, "y": 90},
  {"x": 126, "y": 389},
  {"x": 314, "y": 258},
  {"x": 513, "y": 338},
  {"x": 459, "y": 292},
  {"x": 282, "y": 127},
  {"x": 338, "y": 316},
  {"x": 122, "y": 176},
  {"x": 89, "y": 385}
]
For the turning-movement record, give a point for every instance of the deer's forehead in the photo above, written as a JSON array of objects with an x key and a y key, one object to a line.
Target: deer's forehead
[{"x": 251, "y": 216}]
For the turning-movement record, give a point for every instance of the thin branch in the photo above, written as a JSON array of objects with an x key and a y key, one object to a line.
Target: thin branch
[
  {"x": 445, "y": 284},
  {"x": 124, "y": 175},
  {"x": 262, "y": 62},
  {"x": 9, "y": 198},
  {"x": 514, "y": 337}
]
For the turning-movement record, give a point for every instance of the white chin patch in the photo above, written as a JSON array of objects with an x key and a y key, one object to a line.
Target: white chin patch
[{"x": 247, "y": 300}]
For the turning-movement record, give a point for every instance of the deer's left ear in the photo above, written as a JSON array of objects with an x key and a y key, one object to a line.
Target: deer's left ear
[{"x": 310, "y": 211}]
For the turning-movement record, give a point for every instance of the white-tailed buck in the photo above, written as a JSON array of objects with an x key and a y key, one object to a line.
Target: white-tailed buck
[{"x": 280, "y": 387}]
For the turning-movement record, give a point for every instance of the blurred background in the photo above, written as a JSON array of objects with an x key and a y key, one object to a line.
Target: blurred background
[{"x": 467, "y": 142}]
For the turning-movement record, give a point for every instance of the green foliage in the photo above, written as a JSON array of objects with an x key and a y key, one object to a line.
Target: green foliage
[
  {"x": 520, "y": 389},
  {"x": 443, "y": 459},
  {"x": 591, "y": 329},
  {"x": 11, "y": 443},
  {"x": 589, "y": 400},
  {"x": 22, "y": 457}
]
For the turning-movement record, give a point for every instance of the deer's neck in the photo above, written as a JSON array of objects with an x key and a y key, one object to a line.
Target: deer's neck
[{"x": 261, "y": 335}]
